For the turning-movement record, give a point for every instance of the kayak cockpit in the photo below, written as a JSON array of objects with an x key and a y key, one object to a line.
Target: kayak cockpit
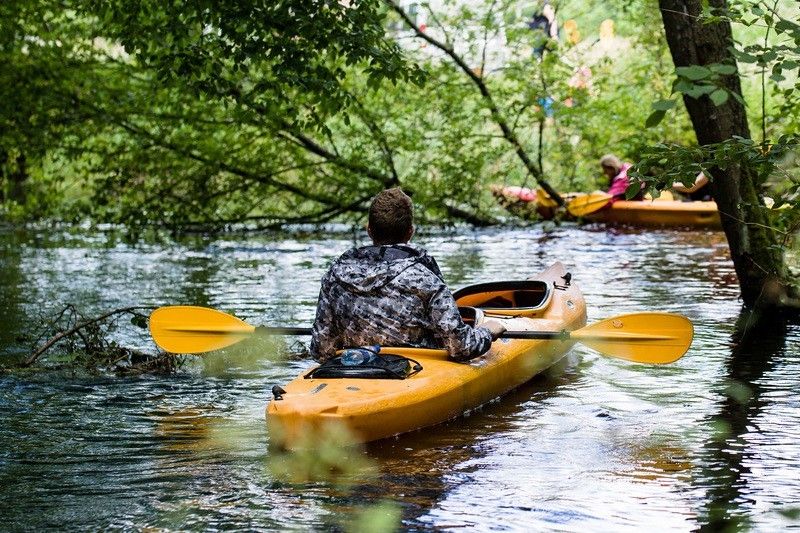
[{"x": 528, "y": 298}]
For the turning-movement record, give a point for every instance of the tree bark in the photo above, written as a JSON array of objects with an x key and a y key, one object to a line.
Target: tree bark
[{"x": 757, "y": 258}]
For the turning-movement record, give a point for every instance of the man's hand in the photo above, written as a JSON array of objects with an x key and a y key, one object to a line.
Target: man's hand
[{"x": 495, "y": 328}]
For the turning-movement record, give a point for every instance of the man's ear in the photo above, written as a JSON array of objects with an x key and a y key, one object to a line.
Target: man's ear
[
  {"x": 369, "y": 231},
  {"x": 410, "y": 234}
]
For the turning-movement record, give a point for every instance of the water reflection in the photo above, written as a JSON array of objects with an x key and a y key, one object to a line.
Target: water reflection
[
  {"x": 12, "y": 283},
  {"x": 732, "y": 457},
  {"x": 200, "y": 270}
]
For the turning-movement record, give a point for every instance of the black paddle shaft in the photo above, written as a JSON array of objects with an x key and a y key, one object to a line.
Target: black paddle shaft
[
  {"x": 266, "y": 330},
  {"x": 562, "y": 335}
]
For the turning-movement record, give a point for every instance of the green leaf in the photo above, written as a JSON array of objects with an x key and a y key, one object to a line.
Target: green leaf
[
  {"x": 655, "y": 118},
  {"x": 785, "y": 25},
  {"x": 663, "y": 105},
  {"x": 693, "y": 72},
  {"x": 723, "y": 69},
  {"x": 719, "y": 97},
  {"x": 769, "y": 55},
  {"x": 699, "y": 90},
  {"x": 744, "y": 57},
  {"x": 632, "y": 190},
  {"x": 681, "y": 86}
]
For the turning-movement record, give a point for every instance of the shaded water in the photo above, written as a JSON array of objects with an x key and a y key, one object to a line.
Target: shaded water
[{"x": 597, "y": 444}]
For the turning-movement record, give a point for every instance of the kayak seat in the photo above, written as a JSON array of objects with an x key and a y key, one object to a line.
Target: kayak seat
[
  {"x": 508, "y": 298},
  {"x": 500, "y": 301}
]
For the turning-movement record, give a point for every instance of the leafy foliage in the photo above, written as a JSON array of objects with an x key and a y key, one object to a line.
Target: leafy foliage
[
  {"x": 204, "y": 116},
  {"x": 265, "y": 52}
]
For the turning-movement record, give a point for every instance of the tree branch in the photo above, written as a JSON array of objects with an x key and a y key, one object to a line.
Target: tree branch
[
  {"x": 498, "y": 117},
  {"x": 76, "y": 328}
]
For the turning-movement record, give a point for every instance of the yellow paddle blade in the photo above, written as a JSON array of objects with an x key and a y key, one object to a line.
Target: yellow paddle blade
[
  {"x": 588, "y": 203},
  {"x": 543, "y": 199},
  {"x": 654, "y": 338},
  {"x": 191, "y": 329}
]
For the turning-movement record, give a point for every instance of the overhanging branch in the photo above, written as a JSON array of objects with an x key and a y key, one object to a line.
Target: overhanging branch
[{"x": 497, "y": 115}]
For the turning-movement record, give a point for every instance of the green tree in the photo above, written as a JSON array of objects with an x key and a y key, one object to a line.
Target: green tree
[
  {"x": 266, "y": 54},
  {"x": 44, "y": 57},
  {"x": 705, "y": 55}
]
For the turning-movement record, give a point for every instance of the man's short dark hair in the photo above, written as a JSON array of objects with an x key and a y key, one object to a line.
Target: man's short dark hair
[{"x": 391, "y": 217}]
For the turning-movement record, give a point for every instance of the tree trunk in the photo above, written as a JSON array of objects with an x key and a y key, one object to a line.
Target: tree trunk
[
  {"x": 18, "y": 178},
  {"x": 753, "y": 245},
  {"x": 3, "y": 166}
]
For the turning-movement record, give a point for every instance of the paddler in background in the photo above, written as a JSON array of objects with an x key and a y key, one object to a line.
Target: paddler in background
[
  {"x": 617, "y": 173},
  {"x": 392, "y": 293}
]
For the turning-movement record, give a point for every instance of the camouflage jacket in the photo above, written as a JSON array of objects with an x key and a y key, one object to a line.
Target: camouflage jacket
[{"x": 392, "y": 296}]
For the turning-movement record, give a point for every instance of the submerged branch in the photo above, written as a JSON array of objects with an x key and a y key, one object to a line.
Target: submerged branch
[{"x": 77, "y": 329}]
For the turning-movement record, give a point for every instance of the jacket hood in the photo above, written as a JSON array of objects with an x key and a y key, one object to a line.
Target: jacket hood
[{"x": 369, "y": 268}]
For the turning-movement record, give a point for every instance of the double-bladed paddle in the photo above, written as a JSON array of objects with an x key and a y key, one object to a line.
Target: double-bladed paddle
[{"x": 655, "y": 338}]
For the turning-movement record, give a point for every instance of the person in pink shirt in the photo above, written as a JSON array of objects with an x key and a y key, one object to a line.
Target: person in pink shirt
[{"x": 617, "y": 173}]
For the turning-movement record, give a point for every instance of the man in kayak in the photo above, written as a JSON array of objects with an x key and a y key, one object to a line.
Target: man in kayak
[
  {"x": 392, "y": 294},
  {"x": 617, "y": 173}
]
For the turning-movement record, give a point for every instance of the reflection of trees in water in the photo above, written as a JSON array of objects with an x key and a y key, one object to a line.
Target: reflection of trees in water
[
  {"x": 11, "y": 283},
  {"x": 461, "y": 264},
  {"x": 726, "y": 456},
  {"x": 200, "y": 271}
]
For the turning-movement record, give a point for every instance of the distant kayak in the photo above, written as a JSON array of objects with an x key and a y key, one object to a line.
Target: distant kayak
[
  {"x": 526, "y": 203},
  {"x": 433, "y": 388},
  {"x": 660, "y": 213}
]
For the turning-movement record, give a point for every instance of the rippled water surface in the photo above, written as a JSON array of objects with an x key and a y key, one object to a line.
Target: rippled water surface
[{"x": 596, "y": 444}]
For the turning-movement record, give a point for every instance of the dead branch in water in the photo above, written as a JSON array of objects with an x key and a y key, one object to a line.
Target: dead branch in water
[{"x": 79, "y": 328}]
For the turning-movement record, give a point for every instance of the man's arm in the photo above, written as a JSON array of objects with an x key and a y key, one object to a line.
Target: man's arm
[
  {"x": 323, "y": 336},
  {"x": 462, "y": 341}
]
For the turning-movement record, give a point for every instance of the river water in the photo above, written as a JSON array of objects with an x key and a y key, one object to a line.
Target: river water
[{"x": 597, "y": 444}]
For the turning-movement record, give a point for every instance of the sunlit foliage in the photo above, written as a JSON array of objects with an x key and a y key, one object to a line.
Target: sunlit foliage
[{"x": 191, "y": 117}]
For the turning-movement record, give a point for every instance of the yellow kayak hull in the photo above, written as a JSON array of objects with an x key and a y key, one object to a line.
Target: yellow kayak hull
[
  {"x": 374, "y": 409},
  {"x": 660, "y": 213}
]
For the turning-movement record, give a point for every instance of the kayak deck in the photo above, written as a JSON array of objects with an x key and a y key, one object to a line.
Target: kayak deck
[{"x": 373, "y": 409}]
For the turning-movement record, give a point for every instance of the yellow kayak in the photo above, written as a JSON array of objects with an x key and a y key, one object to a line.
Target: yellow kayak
[
  {"x": 441, "y": 389},
  {"x": 528, "y": 204}
]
